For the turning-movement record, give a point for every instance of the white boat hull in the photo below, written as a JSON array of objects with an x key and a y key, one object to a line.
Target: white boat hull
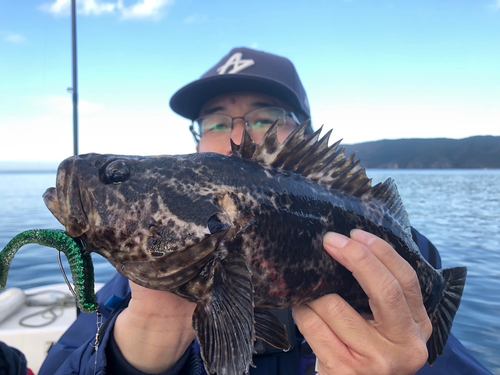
[{"x": 34, "y": 342}]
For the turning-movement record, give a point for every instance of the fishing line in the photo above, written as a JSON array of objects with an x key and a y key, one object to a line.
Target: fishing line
[
  {"x": 97, "y": 338},
  {"x": 99, "y": 322},
  {"x": 64, "y": 275}
]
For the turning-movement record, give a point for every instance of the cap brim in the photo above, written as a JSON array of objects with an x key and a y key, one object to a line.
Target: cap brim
[{"x": 188, "y": 101}]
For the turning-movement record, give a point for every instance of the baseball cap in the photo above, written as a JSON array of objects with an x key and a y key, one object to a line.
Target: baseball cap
[{"x": 244, "y": 69}]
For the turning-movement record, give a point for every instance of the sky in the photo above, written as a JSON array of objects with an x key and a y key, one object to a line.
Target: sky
[{"x": 373, "y": 69}]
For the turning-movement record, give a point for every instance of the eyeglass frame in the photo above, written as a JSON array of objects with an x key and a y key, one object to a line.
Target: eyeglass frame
[{"x": 198, "y": 137}]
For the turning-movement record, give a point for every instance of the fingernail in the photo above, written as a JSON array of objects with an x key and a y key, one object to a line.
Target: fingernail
[
  {"x": 335, "y": 240},
  {"x": 365, "y": 238}
]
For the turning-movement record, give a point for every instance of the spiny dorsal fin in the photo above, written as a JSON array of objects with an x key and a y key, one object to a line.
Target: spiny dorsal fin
[
  {"x": 314, "y": 154},
  {"x": 313, "y": 159},
  {"x": 291, "y": 161},
  {"x": 387, "y": 194},
  {"x": 246, "y": 149},
  {"x": 267, "y": 146}
]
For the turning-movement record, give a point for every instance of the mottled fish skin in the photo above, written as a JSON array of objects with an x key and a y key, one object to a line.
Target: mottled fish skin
[
  {"x": 192, "y": 224},
  {"x": 165, "y": 205}
]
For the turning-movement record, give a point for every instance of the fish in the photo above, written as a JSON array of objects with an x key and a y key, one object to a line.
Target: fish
[{"x": 242, "y": 235}]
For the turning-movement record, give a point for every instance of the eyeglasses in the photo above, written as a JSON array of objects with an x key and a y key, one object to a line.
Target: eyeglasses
[{"x": 257, "y": 123}]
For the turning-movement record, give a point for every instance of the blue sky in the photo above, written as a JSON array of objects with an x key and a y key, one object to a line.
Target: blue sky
[{"x": 372, "y": 69}]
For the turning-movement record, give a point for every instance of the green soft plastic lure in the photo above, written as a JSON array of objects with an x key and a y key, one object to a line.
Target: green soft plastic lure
[{"x": 82, "y": 268}]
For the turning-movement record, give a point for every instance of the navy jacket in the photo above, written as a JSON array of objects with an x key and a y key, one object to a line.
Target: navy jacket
[
  {"x": 12, "y": 361},
  {"x": 75, "y": 353}
]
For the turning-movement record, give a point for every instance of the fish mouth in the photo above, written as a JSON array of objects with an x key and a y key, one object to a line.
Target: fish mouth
[{"x": 66, "y": 201}]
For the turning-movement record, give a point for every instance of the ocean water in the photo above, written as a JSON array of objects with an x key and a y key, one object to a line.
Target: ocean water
[{"x": 458, "y": 210}]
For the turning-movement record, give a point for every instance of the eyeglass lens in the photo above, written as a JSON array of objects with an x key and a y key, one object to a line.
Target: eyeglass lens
[{"x": 257, "y": 122}]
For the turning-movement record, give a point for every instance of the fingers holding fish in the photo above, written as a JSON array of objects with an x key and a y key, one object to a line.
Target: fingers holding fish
[
  {"x": 345, "y": 343},
  {"x": 404, "y": 274},
  {"x": 398, "y": 331},
  {"x": 338, "y": 335},
  {"x": 386, "y": 294}
]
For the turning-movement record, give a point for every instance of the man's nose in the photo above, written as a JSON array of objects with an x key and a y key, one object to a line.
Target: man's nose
[{"x": 237, "y": 131}]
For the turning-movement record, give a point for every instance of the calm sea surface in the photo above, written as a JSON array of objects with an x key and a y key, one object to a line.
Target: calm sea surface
[{"x": 459, "y": 211}]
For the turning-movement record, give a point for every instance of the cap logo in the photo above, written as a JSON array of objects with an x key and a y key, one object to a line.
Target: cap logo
[{"x": 237, "y": 63}]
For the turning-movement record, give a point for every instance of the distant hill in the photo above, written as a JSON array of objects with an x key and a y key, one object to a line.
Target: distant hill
[{"x": 480, "y": 152}]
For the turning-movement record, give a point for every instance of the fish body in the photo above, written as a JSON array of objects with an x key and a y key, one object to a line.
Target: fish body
[{"x": 240, "y": 235}]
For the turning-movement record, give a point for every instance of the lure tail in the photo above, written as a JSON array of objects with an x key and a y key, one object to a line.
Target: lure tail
[
  {"x": 82, "y": 269},
  {"x": 4, "y": 268},
  {"x": 445, "y": 312}
]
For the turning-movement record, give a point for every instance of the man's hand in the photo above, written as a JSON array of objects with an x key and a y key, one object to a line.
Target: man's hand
[
  {"x": 394, "y": 340},
  {"x": 155, "y": 330}
]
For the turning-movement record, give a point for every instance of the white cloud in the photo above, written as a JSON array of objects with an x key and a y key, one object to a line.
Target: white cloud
[
  {"x": 59, "y": 7},
  {"x": 85, "y": 7},
  {"x": 13, "y": 38},
  {"x": 144, "y": 9},
  {"x": 195, "y": 19},
  {"x": 141, "y": 9},
  {"x": 94, "y": 7}
]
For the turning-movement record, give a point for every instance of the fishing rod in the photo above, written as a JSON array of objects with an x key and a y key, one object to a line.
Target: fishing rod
[{"x": 75, "y": 79}]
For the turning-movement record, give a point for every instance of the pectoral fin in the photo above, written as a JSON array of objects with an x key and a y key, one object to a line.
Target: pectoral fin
[
  {"x": 223, "y": 322},
  {"x": 270, "y": 329}
]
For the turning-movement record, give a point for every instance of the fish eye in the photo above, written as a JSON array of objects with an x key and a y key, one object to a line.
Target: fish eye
[
  {"x": 116, "y": 176},
  {"x": 115, "y": 172}
]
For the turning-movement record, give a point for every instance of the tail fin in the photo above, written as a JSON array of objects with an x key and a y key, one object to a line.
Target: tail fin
[{"x": 445, "y": 312}]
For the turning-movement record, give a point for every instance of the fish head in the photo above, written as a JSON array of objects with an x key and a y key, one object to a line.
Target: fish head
[
  {"x": 65, "y": 201},
  {"x": 133, "y": 209}
]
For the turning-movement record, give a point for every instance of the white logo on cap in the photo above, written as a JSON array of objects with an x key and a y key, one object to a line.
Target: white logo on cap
[{"x": 237, "y": 63}]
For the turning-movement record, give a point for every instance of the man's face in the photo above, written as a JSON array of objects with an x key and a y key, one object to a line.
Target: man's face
[{"x": 238, "y": 105}]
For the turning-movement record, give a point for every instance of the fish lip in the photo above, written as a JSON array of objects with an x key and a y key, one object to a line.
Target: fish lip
[
  {"x": 65, "y": 200},
  {"x": 50, "y": 200}
]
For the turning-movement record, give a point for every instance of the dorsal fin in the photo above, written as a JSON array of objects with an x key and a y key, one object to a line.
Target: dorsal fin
[
  {"x": 246, "y": 149},
  {"x": 387, "y": 194},
  {"x": 327, "y": 165}
]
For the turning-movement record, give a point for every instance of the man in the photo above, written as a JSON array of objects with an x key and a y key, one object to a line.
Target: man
[{"x": 149, "y": 332}]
